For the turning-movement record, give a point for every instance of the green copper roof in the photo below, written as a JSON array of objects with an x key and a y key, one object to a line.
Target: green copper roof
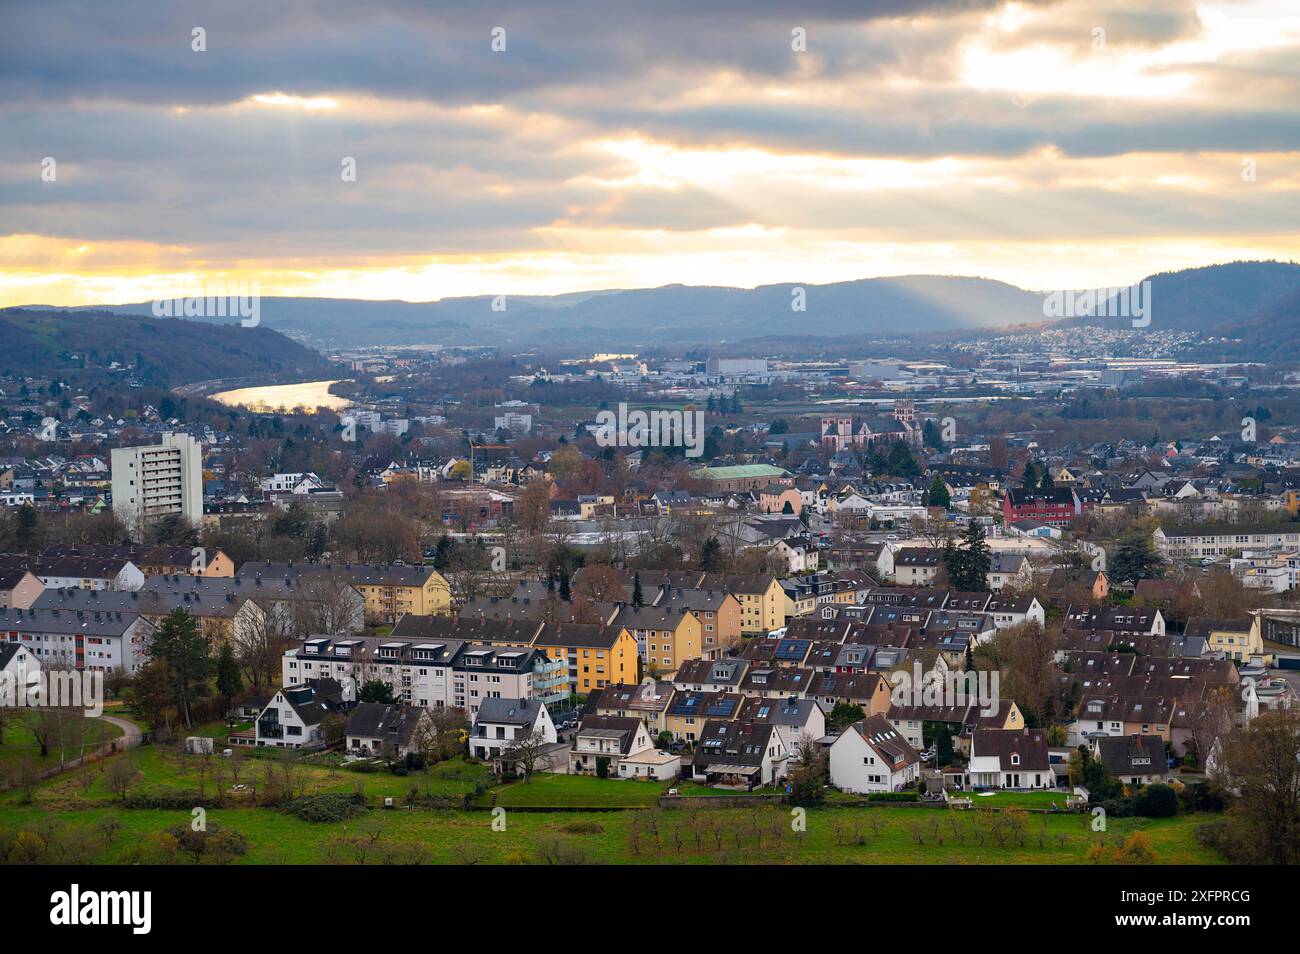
[{"x": 739, "y": 471}]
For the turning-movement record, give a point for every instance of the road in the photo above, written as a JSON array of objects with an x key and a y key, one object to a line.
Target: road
[{"x": 131, "y": 734}]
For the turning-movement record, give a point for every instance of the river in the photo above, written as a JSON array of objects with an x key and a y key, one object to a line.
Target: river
[{"x": 285, "y": 397}]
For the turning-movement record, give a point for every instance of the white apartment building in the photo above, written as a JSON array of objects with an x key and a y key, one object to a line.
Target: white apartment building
[
  {"x": 158, "y": 480},
  {"x": 514, "y": 422},
  {"x": 294, "y": 483},
  {"x": 1190, "y": 543},
  {"x": 96, "y": 640},
  {"x": 427, "y": 672}
]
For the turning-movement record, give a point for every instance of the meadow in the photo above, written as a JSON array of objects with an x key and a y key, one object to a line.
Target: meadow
[{"x": 79, "y": 817}]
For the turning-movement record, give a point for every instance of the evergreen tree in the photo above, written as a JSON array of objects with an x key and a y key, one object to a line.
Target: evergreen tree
[
  {"x": 900, "y": 461},
  {"x": 1045, "y": 482},
  {"x": 953, "y": 563},
  {"x": 638, "y": 598},
  {"x": 976, "y": 559},
  {"x": 1029, "y": 480},
  {"x": 711, "y": 555},
  {"x": 1136, "y": 557},
  {"x": 938, "y": 494},
  {"x": 376, "y": 690},
  {"x": 566, "y": 593},
  {"x": 27, "y": 534},
  {"x": 931, "y": 435},
  {"x": 229, "y": 680},
  {"x": 185, "y": 653}
]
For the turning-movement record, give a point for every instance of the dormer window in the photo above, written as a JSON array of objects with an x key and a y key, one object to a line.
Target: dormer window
[{"x": 1015, "y": 759}]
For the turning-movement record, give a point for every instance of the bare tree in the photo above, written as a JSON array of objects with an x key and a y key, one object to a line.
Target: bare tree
[
  {"x": 599, "y": 584},
  {"x": 525, "y": 752},
  {"x": 122, "y": 773},
  {"x": 1262, "y": 761},
  {"x": 259, "y": 643},
  {"x": 328, "y": 605},
  {"x": 1211, "y": 719}
]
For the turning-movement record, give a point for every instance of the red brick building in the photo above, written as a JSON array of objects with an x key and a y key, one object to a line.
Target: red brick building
[{"x": 1056, "y": 507}]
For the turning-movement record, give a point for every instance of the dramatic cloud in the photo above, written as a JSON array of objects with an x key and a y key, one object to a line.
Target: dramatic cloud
[{"x": 614, "y": 144}]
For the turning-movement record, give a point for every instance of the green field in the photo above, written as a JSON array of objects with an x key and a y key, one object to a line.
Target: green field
[
  {"x": 1040, "y": 800},
  {"x": 166, "y": 770},
  {"x": 725, "y": 836},
  {"x": 76, "y": 818},
  {"x": 577, "y": 791},
  {"x": 17, "y": 741}
]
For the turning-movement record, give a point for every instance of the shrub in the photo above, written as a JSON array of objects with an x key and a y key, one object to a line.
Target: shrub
[
  {"x": 1213, "y": 834},
  {"x": 327, "y": 807},
  {"x": 1156, "y": 801},
  {"x": 1118, "y": 807},
  {"x": 167, "y": 800},
  {"x": 893, "y": 797},
  {"x": 582, "y": 828},
  {"x": 213, "y": 843}
]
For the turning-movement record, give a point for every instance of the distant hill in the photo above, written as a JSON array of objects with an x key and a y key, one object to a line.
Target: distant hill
[
  {"x": 1218, "y": 299},
  {"x": 1269, "y": 334},
  {"x": 681, "y": 313},
  {"x": 163, "y": 352}
]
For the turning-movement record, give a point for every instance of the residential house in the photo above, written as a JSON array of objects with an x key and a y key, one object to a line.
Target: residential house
[
  {"x": 596, "y": 656},
  {"x": 374, "y": 728},
  {"x": 690, "y": 710},
  {"x": 1009, "y": 570},
  {"x": 390, "y": 591},
  {"x": 1007, "y": 611},
  {"x": 1133, "y": 759},
  {"x": 295, "y": 716},
  {"x": 740, "y": 754},
  {"x": 1056, "y": 507},
  {"x": 918, "y": 566},
  {"x": 19, "y": 587},
  {"x": 499, "y": 722},
  {"x": 648, "y": 701},
  {"x": 666, "y": 634},
  {"x": 796, "y": 719},
  {"x": 1238, "y": 639},
  {"x": 872, "y": 756},
  {"x": 1009, "y": 758},
  {"x": 602, "y": 742}
]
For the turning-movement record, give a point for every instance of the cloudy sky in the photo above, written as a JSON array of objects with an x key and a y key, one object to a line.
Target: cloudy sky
[{"x": 619, "y": 143}]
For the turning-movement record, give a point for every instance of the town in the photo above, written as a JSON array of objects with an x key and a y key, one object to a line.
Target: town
[
  {"x": 855, "y": 441},
  {"x": 447, "y": 589}
]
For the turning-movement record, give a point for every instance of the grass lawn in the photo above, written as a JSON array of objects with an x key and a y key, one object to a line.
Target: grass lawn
[
  {"x": 69, "y": 809},
  {"x": 1041, "y": 800},
  {"x": 606, "y": 838},
  {"x": 167, "y": 770},
  {"x": 19, "y": 742},
  {"x": 689, "y": 789},
  {"x": 545, "y": 790}
]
